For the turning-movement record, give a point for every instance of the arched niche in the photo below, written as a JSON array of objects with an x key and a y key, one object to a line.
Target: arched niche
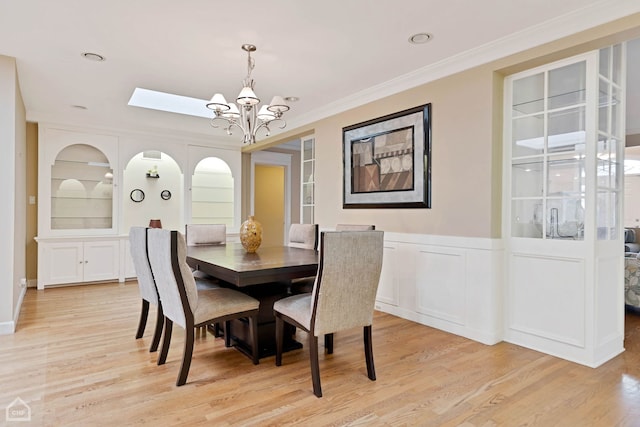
[
  {"x": 212, "y": 193},
  {"x": 81, "y": 189},
  {"x": 159, "y": 177}
]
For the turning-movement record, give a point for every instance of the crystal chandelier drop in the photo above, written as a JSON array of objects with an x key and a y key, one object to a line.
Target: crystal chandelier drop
[{"x": 247, "y": 117}]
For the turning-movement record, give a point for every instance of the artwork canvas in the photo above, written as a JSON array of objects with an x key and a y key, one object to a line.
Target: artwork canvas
[{"x": 387, "y": 161}]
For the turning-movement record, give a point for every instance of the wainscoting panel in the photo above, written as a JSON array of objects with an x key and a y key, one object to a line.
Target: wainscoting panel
[
  {"x": 440, "y": 283},
  {"x": 547, "y": 298},
  {"x": 388, "y": 287},
  {"x": 446, "y": 282}
]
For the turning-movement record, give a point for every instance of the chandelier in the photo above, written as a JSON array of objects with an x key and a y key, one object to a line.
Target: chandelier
[{"x": 247, "y": 117}]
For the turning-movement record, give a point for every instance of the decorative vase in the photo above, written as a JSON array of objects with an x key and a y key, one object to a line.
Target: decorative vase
[
  {"x": 251, "y": 234},
  {"x": 155, "y": 223}
]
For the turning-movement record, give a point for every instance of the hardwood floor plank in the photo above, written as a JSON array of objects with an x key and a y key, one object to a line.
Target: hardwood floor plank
[{"x": 75, "y": 361}]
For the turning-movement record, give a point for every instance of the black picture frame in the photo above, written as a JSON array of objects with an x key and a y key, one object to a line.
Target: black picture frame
[
  {"x": 387, "y": 161},
  {"x": 136, "y": 195}
]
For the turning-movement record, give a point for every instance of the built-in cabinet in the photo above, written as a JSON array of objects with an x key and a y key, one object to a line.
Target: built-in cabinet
[
  {"x": 77, "y": 210},
  {"x": 78, "y": 260},
  {"x": 85, "y": 184},
  {"x": 563, "y": 151}
]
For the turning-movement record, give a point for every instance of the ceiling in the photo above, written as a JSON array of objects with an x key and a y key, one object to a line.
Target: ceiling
[{"x": 333, "y": 55}]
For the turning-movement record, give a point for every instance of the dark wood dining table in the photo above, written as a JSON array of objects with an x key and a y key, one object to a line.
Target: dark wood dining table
[{"x": 265, "y": 275}]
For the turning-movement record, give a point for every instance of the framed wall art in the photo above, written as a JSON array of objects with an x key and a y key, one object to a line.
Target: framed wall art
[{"x": 387, "y": 161}]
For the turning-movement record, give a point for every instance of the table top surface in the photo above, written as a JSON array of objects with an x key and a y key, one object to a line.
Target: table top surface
[
  {"x": 233, "y": 257},
  {"x": 232, "y": 263}
]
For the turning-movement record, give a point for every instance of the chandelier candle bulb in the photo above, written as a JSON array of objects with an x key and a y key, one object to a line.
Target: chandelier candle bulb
[{"x": 243, "y": 115}]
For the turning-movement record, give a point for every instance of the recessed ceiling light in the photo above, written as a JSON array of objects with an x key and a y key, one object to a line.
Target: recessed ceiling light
[
  {"x": 93, "y": 57},
  {"x": 291, "y": 98},
  {"x": 420, "y": 38}
]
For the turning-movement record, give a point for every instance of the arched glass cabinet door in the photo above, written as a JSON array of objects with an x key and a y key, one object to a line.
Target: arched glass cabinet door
[
  {"x": 81, "y": 189},
  {"x": 212, "y": 193}
]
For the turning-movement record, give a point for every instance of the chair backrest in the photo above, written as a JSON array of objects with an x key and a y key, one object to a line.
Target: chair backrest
[
  {"x": 138, "y": 249},
  {"x": 348, "y": 275},
  {"x": 303, "y": 236},
  {"x": 174, "y": 280},
  {"x": 206, "y": 234},
  {"x": 355, "y": 227}
]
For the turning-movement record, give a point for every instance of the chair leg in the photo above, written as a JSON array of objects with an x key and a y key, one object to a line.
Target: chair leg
[
  {"x": 227, "y": 333},
  {"x": 315, "y": 366},
  {"x": 279, "y": 337},
  {"x": 186, "y": 356},
  {"x": 168, "y": 327},
  {"x": 328, "y": 343},
  {"x": 253, "y": 331},
  {"x": 217, "y": 332},
  {"x": 144, "y": 312},
  {"x": 368, "y": 353},
  {"x": 158, "y": 332}
]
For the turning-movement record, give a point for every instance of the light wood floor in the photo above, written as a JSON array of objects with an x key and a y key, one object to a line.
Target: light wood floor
[{"x": 75, "y": 361}]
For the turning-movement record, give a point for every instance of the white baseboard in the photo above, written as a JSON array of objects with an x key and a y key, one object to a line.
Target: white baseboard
[{"x": 7, "y": 328}]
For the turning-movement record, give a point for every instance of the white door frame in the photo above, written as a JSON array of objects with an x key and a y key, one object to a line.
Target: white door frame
[{"x": 273, "y": 159}]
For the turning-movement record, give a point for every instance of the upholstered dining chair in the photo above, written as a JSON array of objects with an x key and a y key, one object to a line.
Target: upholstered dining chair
[
  {"x": 146, "y": 284},
  {"x": 303, "y": 236},
  {"x": 184, "y": 305},
  {"x": 205, "y": 234},
  {"x": 343, "y": 296},
  {"x": 355, "y": 227}
]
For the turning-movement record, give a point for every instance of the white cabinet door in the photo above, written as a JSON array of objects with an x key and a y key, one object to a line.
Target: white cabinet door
[
  {"x": 63, "y": 263},
  {"x": 77, "y": 261},
  {"x": 101, "y": 260}
]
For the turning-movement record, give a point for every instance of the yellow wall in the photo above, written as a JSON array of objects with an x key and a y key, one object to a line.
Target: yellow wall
[{"x": 269, "y": 203}]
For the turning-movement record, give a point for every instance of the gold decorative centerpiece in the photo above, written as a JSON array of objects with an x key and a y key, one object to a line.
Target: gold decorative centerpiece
[{"x": 251, "y": 234}]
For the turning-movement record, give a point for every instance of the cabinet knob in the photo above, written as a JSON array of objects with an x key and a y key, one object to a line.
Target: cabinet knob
[{"x": 86, "y": 262}]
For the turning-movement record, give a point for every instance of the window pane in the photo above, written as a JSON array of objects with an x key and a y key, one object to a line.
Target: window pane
[
  {"x": 525, "y": 219},
  {"x": 605, "y": 60},
  {"x": 527, "y": 178},
  {"x": 567, "y": 130},
  {"x": 567, "y": 85},
  {"x": 528, "y": 136},
  {"x": 566, "y": 176},
  {"x": 565, "y": 218},
  {"x": 528, "y": 95}
]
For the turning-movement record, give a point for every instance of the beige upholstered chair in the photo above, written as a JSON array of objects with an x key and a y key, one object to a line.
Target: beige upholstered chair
[
  {"x": 146, "y": 284},
  {"x": 184, "y": 305},
  {"x": 343, "y": 296},
  {"x": 205, "y": 234},
  {"x": 303, "y": 236},
  {"x": 355, "y": 227}
]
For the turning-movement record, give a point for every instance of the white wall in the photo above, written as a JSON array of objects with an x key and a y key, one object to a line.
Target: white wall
[{"x": 12, "y": 194}]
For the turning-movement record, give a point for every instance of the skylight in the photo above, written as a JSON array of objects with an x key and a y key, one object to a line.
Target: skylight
[{"x": 162, "y": 101}]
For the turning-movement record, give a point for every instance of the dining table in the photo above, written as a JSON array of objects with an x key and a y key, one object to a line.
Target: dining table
[{"x": 265, "y": 275}]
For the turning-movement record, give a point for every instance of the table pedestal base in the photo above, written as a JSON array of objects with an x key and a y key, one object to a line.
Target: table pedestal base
[{"x": 267, "y": 295}]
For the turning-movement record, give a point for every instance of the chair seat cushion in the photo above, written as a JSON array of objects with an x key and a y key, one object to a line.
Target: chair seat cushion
[
  {"x": 218, "y": 302},
  {"x": 297, "y": 307}
]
